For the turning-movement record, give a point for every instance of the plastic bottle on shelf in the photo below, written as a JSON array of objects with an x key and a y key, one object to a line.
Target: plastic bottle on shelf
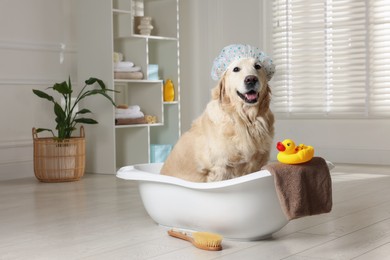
[{"x": 169, "y": 91}]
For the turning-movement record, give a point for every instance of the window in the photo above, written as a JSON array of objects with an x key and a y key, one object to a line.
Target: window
[{"x": 332, "y": 58}]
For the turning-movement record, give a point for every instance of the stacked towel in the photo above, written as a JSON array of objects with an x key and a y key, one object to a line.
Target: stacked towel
[
  {"x": 125, "y": 115},
  {"x": 125, "y": 69},
  {"x": 130, "y": 112},
  {"x": 125, "y": 66},
  {"x": 128, "y": 75},
  {"x": 130, "y": 121}
]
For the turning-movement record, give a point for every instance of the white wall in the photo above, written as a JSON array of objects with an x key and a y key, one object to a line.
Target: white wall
[
  {"x": 207, "y": 26},
  {"x": 362, "y": 141},
  {"x": 36, "y": 49}
]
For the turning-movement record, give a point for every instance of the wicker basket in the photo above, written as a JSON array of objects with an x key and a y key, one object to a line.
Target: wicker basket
[{"x": 59, "y": 161}]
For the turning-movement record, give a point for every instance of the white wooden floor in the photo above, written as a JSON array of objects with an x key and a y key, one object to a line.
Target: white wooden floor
[{"x": 101, "y": 217}]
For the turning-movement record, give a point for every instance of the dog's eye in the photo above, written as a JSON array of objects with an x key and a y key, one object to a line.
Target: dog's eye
[
  {"x": 257, "y": 66},
  {"x": 236, "y": 69}
]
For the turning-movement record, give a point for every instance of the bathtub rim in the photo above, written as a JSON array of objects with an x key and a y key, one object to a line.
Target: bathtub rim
[{"x": 132, "y": 172}]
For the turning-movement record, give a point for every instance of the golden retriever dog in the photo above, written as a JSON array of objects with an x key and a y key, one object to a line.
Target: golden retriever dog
[{"x": 233, "y": 136}]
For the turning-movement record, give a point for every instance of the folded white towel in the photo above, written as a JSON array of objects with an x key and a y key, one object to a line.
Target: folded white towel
[
  {"x": 136, "y": 114},
  {"x": 123, "y": 65},
  {"x": 129, "y": 110},
  {"x": 128, "y": 69}
]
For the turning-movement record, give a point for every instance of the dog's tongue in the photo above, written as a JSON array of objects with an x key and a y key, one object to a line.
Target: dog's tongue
[{"x": 251, "y": 96}]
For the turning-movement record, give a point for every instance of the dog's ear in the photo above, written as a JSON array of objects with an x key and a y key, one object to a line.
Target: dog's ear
[
  {"x": 216, "y": 92},
  {"x": 219, "y": 92}
]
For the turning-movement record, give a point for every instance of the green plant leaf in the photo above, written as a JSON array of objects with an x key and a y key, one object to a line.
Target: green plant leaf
[
  {"x": 93, "y": 92},
  {"x": 38, "y": 130},
  {"x": 70, "y": 84},
  {"x": 70, "y": 130},
  {"x": 98, "y": 92},
  {"x": 42, "y": 94},
  {"x": 111, "y": 90},
  {"x": 101, "y": 84},
  {"x": 86, "y": 121},
  {"x": 83, "y": 111},
  {"x": 62, "y": 88},
  {"x": 109, "y": 98},
  {"x": 60, "y": 113},
  {"x": 91, "y": 81}
]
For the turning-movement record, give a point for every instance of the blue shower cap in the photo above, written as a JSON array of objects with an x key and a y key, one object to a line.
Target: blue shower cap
[{"x": 239, "y": 51}]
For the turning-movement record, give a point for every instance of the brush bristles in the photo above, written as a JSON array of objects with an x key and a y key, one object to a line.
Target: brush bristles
[{"x": 207, "y": 239}]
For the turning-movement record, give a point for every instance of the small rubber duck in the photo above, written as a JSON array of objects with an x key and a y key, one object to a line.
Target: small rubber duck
[{"x": 289, "y": 153}]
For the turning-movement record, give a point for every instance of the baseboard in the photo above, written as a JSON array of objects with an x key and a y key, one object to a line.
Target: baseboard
[
  {"x": 16, "y": 159},
  {"x": 17, "y": 170}
]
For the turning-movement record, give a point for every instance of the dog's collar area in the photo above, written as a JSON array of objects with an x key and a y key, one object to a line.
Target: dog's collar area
[{"x": 250, "y": 97}]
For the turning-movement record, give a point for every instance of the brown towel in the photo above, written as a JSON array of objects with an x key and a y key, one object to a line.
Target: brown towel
[
  {"x": 130, "y": 121},
  {"x": 303, "y": 189},
  {"x": 128, "y": 75}
]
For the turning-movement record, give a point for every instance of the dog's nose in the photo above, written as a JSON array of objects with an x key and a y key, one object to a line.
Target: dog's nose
[{"x": 250, "y": 80}]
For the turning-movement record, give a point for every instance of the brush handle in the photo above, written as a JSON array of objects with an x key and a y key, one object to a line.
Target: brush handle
[
  {"x": 180, "y": 235},
  {"x": 203, "y": 244}
]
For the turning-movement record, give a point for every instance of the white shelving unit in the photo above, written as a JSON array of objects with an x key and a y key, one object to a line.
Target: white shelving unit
[{"x": 106, "y": 27}]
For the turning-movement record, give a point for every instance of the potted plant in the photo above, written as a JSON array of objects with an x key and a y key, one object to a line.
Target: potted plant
[{"x": 62, "y": 157}]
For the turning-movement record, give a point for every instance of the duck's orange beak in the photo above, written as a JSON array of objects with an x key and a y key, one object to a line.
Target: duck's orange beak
[{"x": 280, "y": 147}]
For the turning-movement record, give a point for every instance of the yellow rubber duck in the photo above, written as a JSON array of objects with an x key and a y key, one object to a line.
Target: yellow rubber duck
[{"x": 289, "y": 153}]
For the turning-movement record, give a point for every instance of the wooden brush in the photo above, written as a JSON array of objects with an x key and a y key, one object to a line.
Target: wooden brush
[{"x": 201, "y": 240}]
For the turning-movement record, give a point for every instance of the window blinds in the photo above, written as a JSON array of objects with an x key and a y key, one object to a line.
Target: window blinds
[
  {"x": 379, "y": 35},
  {"x": 332, "y": 58}
]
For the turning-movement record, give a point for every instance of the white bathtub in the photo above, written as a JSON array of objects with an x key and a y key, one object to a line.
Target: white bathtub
[{"x": 244, "y": 208}]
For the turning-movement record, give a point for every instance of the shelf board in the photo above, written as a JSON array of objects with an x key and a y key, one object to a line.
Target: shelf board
[
  {"x": 150, "y": 37},
  {"x": 154, "y": 37},
  {"x": 137, "y": 81},
  {"x": 138, "y": 125},
  {"x": 171, "y": 103},
  {"x": 120, "y": 11}
]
